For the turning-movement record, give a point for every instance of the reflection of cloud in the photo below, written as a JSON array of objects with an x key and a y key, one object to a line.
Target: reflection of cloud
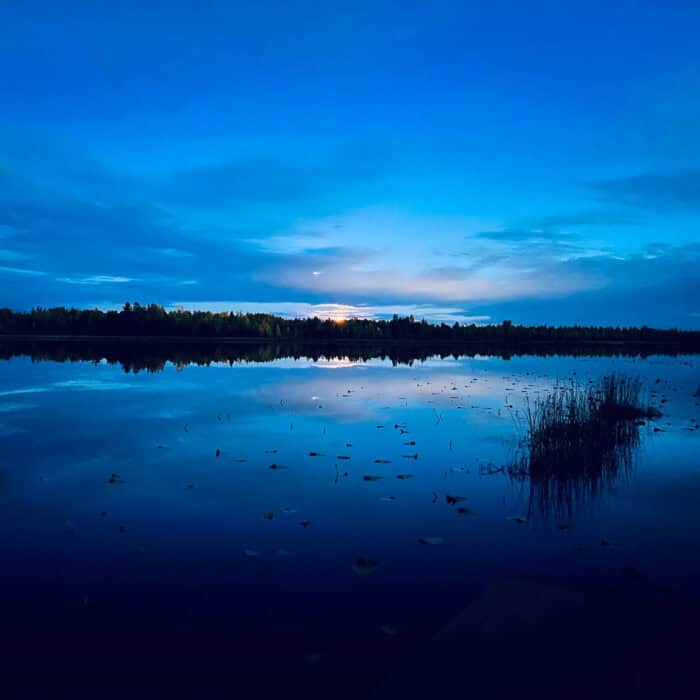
[
  {"x": 14, "y": 407},
  {"x": 92, "y": 385}
]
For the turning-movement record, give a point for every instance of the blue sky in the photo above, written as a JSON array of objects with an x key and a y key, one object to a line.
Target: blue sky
[{"x": 453, "y": 160}]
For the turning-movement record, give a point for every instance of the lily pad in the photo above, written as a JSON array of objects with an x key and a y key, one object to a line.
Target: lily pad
[
  {"x": 364, "y": 566},
  {"x": 430, "y": 540},
  {"x": 454, "y": 500}
]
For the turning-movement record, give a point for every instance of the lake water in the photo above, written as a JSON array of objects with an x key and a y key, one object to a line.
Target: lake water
[{"x": 143, "y": 530}]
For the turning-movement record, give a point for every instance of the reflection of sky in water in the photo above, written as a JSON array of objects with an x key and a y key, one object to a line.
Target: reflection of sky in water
[{"x": 192, "y": 515}]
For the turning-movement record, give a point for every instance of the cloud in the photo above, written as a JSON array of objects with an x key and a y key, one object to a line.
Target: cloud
[
  {"x": 516, "y": 235},
  {"x": 587, "y": 219},
  {"x": 173, "y": 252},
  {"x": 288, "y": 309},
  {"x": 273, "y": 179},
  {"x": 653, "y": 191},
  {"x": 13, "y": 255},
  {"x": 97, "y": 279},
  {"x": 344, "y": 277},
  {"x": 8, "y": 231},
  {"x": 21, "y": 271},
  {"x": 657, "y": 289},
  {"x": 266, "y": 229}
]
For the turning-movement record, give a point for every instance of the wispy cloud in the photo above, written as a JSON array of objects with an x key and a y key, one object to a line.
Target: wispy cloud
[
  {"x": 13, "y": 255},
  {"x": 97, "y": 279},
  {"x": 21, "y": 271},
  {"x": 173, "y": 252},
  {"x": 653, "y": 191}
]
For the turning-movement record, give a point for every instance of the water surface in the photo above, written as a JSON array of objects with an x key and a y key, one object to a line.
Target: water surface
[{"x": 199, "y": 558}]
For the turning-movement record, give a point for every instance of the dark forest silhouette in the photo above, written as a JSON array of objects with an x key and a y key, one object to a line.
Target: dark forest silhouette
[{"x": 153, "y": 321}]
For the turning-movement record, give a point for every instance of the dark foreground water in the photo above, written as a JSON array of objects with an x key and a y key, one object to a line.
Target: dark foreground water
[{"x": 227, "y": 531}]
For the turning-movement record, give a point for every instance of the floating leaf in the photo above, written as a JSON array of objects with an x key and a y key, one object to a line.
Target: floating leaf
[
  {"x": 304, "y": 523},
  {"x": 430, "y": 540},
  {"x": 312, "y": 658},
  {"x": 315, "y": 454},
  {"x": 382, "y": 461},
  {"x": 278, "y": 466},
  {"x": 403, "y": 477},
  {"x": 342, "y": 457},
  {"x": 248, "y": 552},
  {"x": 463, "y": 510},
  {"x": 454, "y": 500},
  {"x": 218, "y": 452},
  {"x": 269, "y": 516},
  {"x": 365, "y": 566},
  {"x": 372, "y": 477},
  {"x": 518, "y": 519},
  {"x": 630, "y": 572},
  {"x": 115, "y": 479}
]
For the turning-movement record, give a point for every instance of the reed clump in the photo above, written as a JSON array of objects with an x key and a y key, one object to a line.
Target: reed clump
[{"x": 580, "y": 436}]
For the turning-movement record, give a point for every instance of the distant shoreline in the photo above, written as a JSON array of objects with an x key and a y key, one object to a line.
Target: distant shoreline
[{"x": 153, "y": 326}]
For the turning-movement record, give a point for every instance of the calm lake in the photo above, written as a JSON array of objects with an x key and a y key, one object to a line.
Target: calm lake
[{"x": 311, "y": 525}]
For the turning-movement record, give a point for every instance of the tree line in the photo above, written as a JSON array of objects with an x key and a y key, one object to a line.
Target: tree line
[{"x": 152, "y": 320}]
